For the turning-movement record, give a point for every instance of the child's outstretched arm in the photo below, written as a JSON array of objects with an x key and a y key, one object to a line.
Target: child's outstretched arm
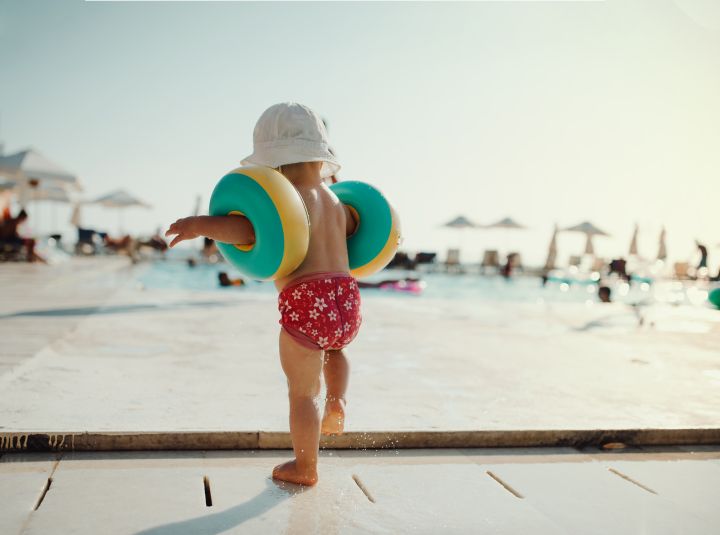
[{"x": 234, "y": 229}]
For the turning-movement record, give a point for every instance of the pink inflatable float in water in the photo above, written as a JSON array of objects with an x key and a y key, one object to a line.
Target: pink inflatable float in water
[{"x": 412, "y": 286}]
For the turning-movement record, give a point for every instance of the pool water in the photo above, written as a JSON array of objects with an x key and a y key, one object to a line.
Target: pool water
[{"x": 204, "y": 277}]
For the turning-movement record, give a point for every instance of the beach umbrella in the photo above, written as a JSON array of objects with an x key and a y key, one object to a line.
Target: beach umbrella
[
  {"x": 460, "y": 222},
  {"x": 633, "y": 251},
  {"x": 586, "y": 228},
  {"x": 49, "y": 193},
  {"x": 552, "y": 250},
  {"x": 589, "y": 230},
  {"x": 662, "y": 248},
  {"x": 505, "y": 223},
  {"x": 29, "y": 168},
  {"x": 120, "y": 200}
]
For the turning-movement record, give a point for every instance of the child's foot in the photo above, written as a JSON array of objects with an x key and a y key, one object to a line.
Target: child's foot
[
  {"x": 290, "y": 472},
  {"x": 333, "y": 422}
]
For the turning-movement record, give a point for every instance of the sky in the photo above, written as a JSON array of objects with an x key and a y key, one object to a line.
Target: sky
[{"x": 548, "y": 112}]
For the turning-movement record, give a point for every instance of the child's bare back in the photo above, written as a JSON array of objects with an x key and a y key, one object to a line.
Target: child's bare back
[{"x": 329, "y": 224}]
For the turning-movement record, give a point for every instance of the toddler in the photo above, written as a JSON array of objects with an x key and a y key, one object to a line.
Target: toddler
[{"x": 319, "y": 302}]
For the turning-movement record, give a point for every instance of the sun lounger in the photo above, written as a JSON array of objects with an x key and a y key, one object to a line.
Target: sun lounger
[
  {"x": 452, "y": 261},
  {"x": 490, "y": 260},
  {"x": 425, "y": 258},
  {"x": 86, "y": 242},
  {"x": 401, "y": 260},
  {"x": 516, "y": 261}
]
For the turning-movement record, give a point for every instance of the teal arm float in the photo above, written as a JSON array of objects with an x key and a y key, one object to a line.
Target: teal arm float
[
  {"x": 278, "y": 215},
  {"x": 376, "y": 238}
]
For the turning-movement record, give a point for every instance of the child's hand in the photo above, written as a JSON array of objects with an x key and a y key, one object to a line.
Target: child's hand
[{"x": 184, "y": 228}]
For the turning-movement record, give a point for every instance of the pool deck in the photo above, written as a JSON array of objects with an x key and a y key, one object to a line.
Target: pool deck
[{"x": 87, "y": 350}]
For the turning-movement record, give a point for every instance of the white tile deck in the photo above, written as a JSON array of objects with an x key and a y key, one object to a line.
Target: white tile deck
[
  {"x": 153, "y": 360},
  {"x": 422, "y": 491}
]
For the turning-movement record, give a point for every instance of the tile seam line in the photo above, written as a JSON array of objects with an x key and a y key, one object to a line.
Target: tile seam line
[
  {"x": 49, "y": 477},
  {"x": 631, "y": 480},
  {"x": 504, "y": 484}
]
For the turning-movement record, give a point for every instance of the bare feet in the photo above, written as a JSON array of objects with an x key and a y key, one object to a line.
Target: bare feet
[
  {"x": 290, "y": 472},
  {"x": 333, "y": 422}
]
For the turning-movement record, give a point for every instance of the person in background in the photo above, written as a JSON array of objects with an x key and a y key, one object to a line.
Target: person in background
[
  {"x": 119, "y": 245},
  {"x": 156, "y": 242},
  {"x": 9, "y": 236},
  {"x": 605, "y": 294},
  {"x": 507, "y": 269},
  {"x": 619, "y": 266},
  {"x": 225, "y": 280}
]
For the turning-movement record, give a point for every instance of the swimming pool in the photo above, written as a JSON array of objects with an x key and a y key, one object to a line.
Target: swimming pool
[{"x": 469, "y": 287}]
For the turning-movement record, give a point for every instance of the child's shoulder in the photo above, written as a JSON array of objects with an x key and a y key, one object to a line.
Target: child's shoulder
[{"x": 317, "y": 192}]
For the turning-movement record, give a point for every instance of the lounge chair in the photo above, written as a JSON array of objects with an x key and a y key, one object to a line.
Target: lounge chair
[
  {"x": 425, "y": 258},
  {"x": 452, "y": 261},
  {"x": 86, "y": 242},
  {"x": 516, "y": 261},
  {"x": 490, "y": 260},
  {"x": 401, "y": 260}
]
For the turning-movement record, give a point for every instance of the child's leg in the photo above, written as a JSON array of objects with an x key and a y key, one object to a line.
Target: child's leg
[
  {"x": 336, "y": 369},
  {"x": 303, "y": 367}
]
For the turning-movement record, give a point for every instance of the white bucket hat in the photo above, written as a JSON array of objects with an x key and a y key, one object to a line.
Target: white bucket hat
[{"x": 291, "y": 133}]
